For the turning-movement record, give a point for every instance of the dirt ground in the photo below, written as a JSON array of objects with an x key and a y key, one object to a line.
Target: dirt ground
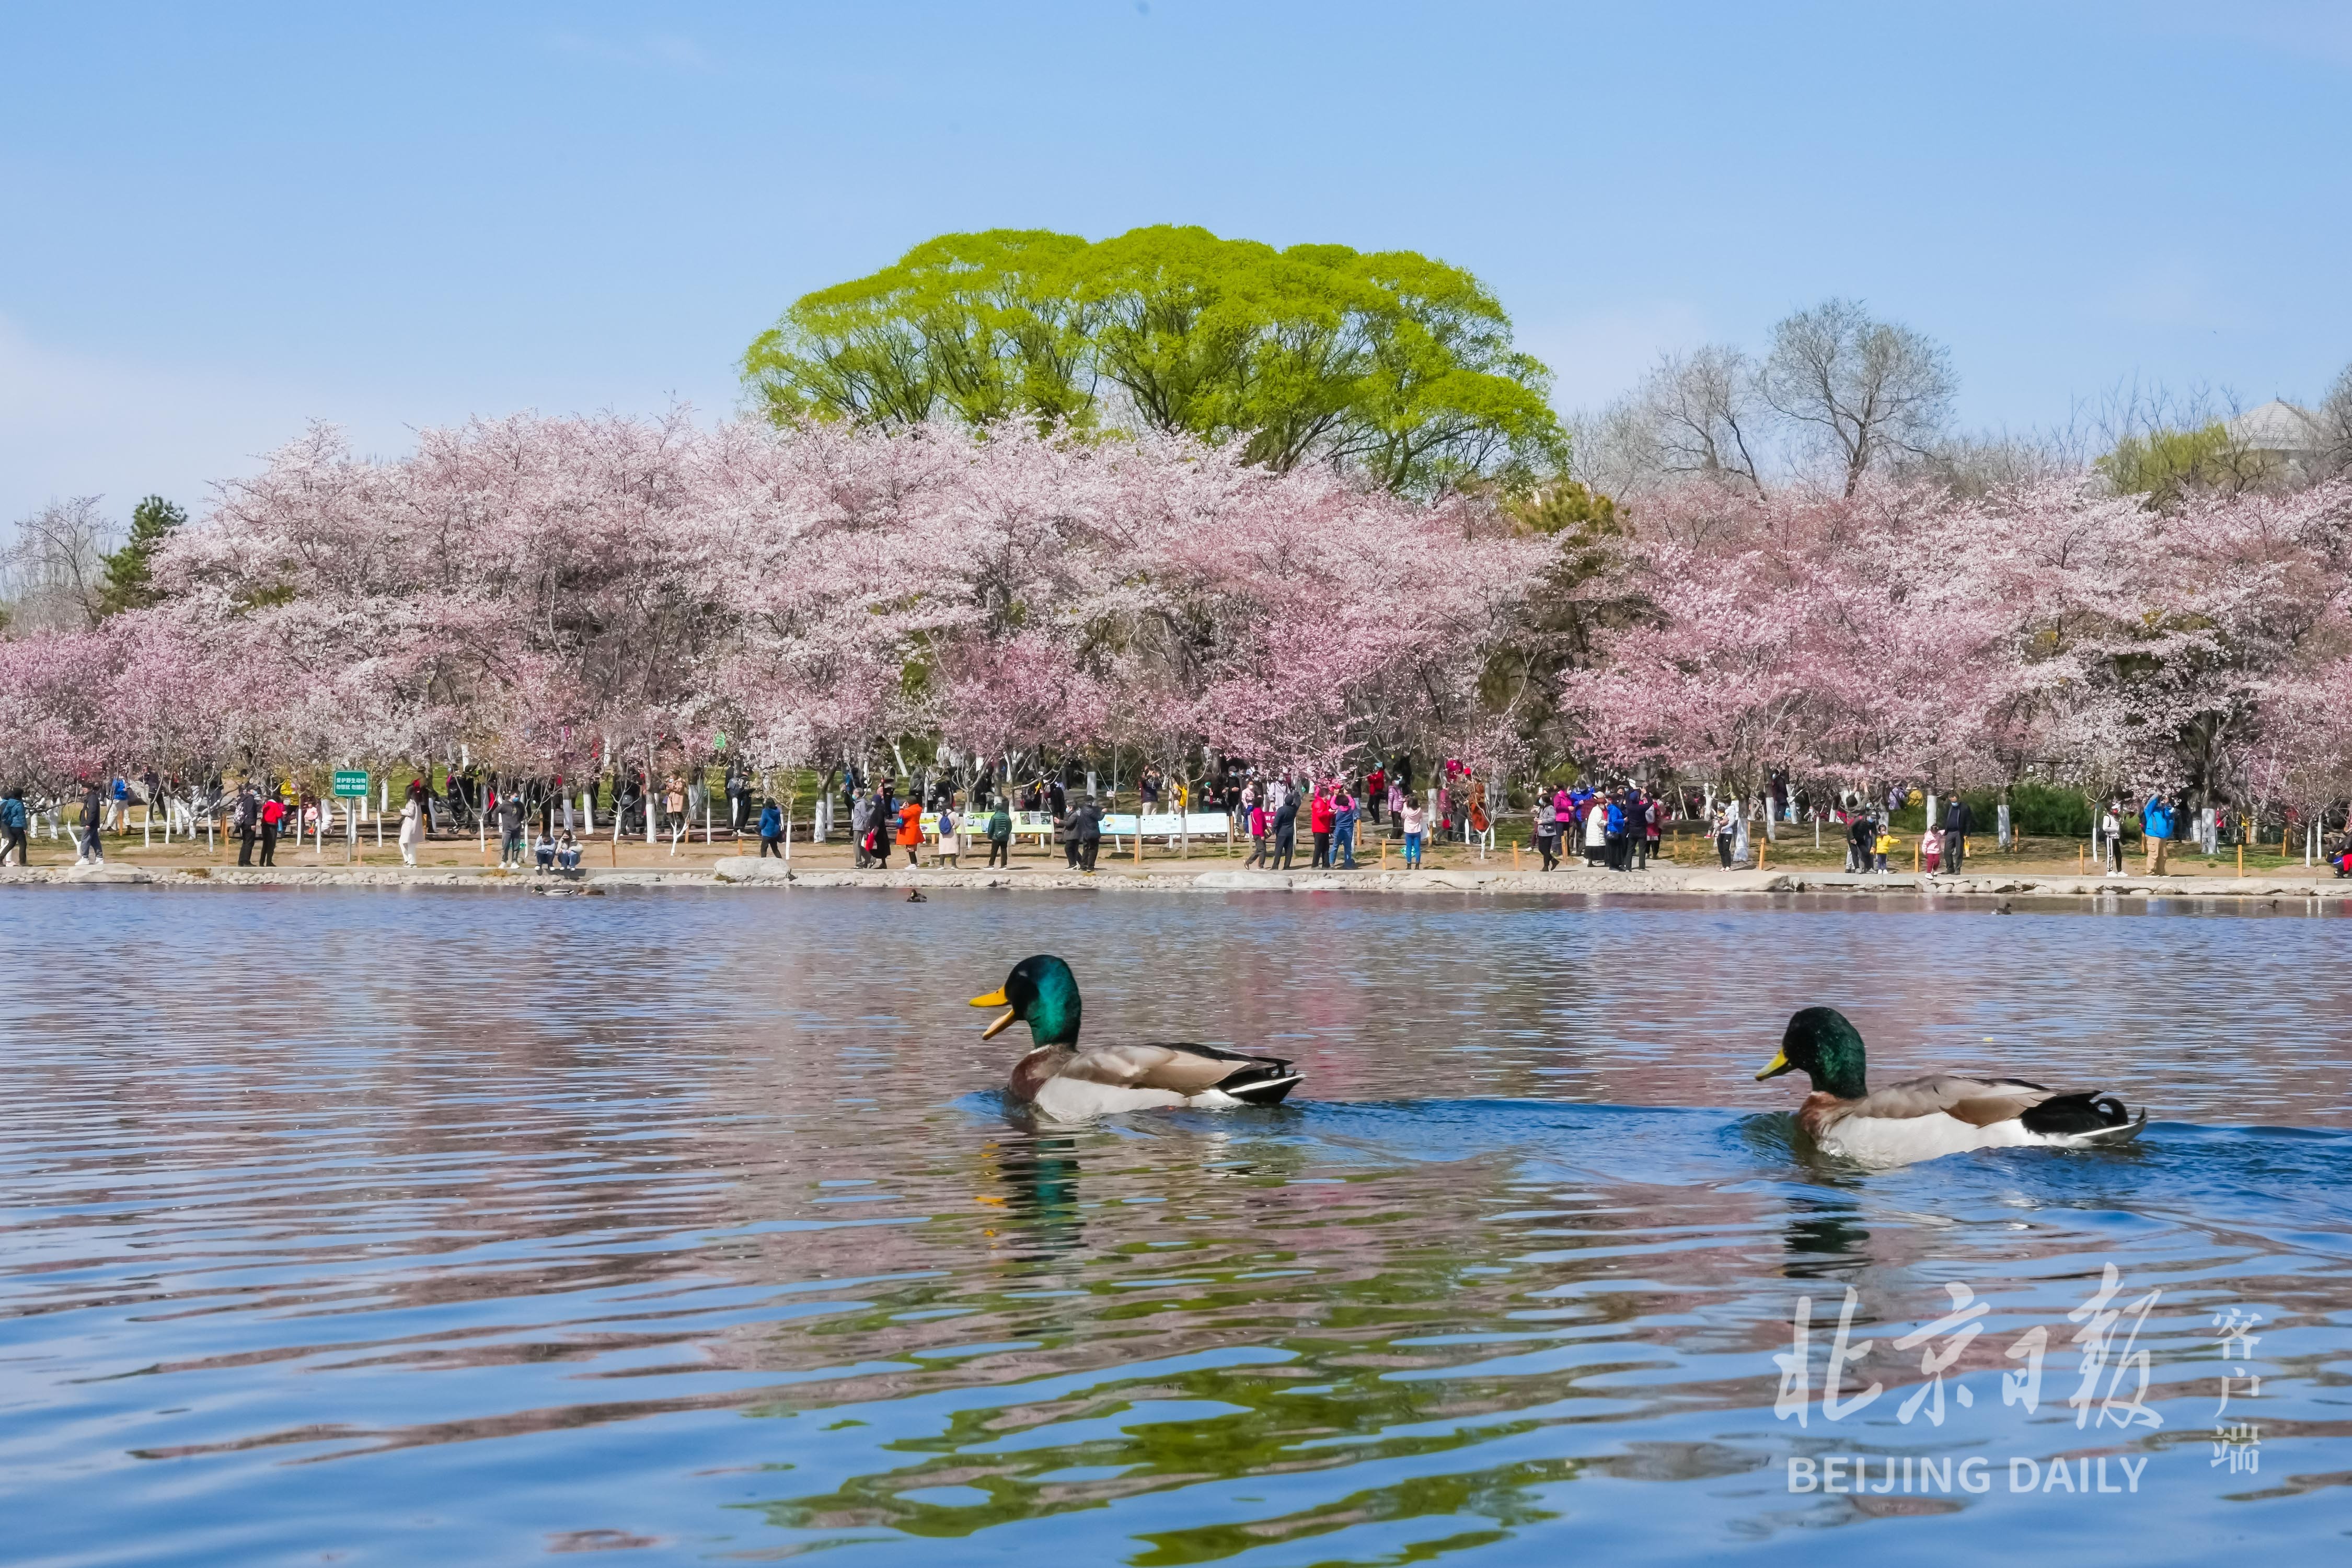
[{"x": 1795, "y": 851}]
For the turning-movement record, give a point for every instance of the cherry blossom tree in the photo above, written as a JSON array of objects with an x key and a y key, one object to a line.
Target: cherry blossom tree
[{"x": 553, "y": 595}]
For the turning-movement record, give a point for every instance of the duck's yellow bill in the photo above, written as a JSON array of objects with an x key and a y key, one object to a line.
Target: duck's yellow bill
[
  {"x": 995, "y": 999},
  {"x": 1775, "y": 1068}
]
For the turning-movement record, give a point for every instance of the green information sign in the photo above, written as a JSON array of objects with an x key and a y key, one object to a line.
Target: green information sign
[{"x": 352, "y": 784}]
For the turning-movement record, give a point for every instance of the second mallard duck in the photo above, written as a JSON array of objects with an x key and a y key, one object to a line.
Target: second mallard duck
[
  {"x": 1943, "y": 1113},
  {"x": 1070, "y": 1084}
]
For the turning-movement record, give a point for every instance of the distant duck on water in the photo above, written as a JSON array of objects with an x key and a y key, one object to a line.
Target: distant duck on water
[
  {"x": 1943, "y": 1113},
  {"x": 1070, "y": 1084}
]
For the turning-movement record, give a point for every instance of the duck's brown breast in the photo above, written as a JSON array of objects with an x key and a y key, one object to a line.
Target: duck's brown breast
[
  {"x": 1030, "y": 1073},
  {"x": 1821, "y": 1113}
]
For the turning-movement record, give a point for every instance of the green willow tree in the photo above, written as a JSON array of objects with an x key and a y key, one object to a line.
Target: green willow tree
[
  {"x": 1392, "y": 364},
  {"x": 2167, "y": 465}
]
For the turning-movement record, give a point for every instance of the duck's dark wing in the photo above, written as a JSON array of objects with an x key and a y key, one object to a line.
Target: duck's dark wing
[
  {"x": 2077, "y": 1120},
  {"x": 1185, "y": 1067},
  {"x": 1979, "y": 1101}
]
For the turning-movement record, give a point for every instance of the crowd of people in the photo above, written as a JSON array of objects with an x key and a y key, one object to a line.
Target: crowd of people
[
  {"x": 1619, "y": 827},
  {"x": 1264, "y": 807}
]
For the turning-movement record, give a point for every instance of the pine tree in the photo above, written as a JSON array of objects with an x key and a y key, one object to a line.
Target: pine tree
[{"x": 130, "y": 585}]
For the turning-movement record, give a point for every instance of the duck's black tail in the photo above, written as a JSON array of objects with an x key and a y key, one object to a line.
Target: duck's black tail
[
  {"x": 1264, "y": 1082},
  {"x": 2086, "y": 1117}
]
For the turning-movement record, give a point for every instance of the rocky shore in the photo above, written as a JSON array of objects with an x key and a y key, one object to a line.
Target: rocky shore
[{"x": 748, "y": 872}]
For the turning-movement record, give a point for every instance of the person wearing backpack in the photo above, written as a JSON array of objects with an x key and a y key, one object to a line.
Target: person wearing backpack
[{"x": 950, "y": 830}]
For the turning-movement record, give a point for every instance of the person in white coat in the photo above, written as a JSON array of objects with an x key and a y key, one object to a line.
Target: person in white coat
[{"x": 412, "y": 830}]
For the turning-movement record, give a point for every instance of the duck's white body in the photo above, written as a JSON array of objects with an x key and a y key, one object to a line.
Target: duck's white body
[
  {"x": 1066, "y": 1084},
  {"x": 1069, "y": 1099},
  {"x": 1927, "y": 1118}
]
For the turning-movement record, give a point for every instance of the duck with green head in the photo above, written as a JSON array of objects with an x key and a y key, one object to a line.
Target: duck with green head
[
  {"x": 1068, "y": 1083},
  {"x": 1942, "y": 1113}
]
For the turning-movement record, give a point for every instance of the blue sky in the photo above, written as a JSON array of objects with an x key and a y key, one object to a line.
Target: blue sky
[{"x": 221, "y": 222}]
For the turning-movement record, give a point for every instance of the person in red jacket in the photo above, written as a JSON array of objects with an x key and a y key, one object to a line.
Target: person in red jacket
[
  {"x": 1376, "y": 790},
  {"x": 273, "y": 815},
  {"x": 1320, "y": 817},
  {"x": 910, "y": 833}
]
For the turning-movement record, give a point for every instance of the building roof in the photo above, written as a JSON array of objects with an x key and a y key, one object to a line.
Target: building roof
[{"x": 2277, "y": 426}]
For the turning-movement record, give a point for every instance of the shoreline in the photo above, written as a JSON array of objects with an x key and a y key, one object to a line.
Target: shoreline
[{"x": 751, "y": 872}]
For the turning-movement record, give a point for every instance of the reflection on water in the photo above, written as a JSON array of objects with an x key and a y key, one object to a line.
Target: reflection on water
[{"x": 693, "y": 1226}]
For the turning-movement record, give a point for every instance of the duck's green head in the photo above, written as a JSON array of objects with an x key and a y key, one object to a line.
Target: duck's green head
[
  {"x": 1042, "y": 992},
  {"x": 1826, "y": 1047}
]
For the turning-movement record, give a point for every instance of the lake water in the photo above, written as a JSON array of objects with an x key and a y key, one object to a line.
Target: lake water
[{"x": 455, "y": 1228}]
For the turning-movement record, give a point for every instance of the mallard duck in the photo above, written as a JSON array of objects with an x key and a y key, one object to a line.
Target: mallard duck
[
  {"x": 1943, "y": 1113},
  {"x": 1069, "y": 1085}
]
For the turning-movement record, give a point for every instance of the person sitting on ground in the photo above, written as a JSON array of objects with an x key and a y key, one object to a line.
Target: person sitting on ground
[
  {"x": 567, "y": 851},
  {"x": 543, "y": 852}
]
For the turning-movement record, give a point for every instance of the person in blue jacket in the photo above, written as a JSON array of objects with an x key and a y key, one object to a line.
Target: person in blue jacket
[
  {"x": 2155, "y": 825},
  {"x": 772, "y": 831},
  {"x": 13, "y": 820}
]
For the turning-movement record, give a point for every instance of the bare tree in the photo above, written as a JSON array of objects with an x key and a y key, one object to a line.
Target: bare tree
[
  {"x": 2152, "y": 440},
  {"x": 1705, "y": 410},
  {"x": 1998, "y": 459},
  {"x": 1695, "y": 416},
  {"x": 51, "y": 572},
  {"x": 1861, "y": 392},
  {"x": 2334, "y": 416}
]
